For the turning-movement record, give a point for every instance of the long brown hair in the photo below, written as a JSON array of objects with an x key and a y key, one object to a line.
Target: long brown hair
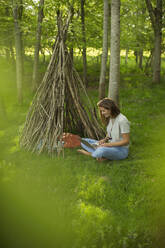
[{"x": 109, "y": 104}]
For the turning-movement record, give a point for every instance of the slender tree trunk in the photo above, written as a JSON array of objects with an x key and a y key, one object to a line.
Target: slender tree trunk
[
  {"x": 157, "y": 57},
  {"x": 37, "y": 45},
  {"x": 126, "y": 56},
  {"x": 12, "y": 53},
  {"x": 23, "y": 54},
  {"x": 43, "y": 58},
  {"x": 141, "y": 59},
  {"x": 158, "y": 42},
  {"x": 72, "y": 38},
  {"x": 136, "y": 56},
  {"x": 84, "y": 42},
  {"x": 114, "y": 77},
  {"x": 71, "y": 53},
  {"x": 9, "y": 48},
  {"x": 105, "y": 51},
  {"x": 156, "y": 20},
  {"x": 18, "y": 46},
  {"x": 149, "y": 63}
]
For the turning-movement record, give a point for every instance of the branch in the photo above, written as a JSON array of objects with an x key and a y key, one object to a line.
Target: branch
[{"x": 151, "y": 13}]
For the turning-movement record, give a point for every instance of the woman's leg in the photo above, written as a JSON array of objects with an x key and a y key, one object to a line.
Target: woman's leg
[
  {"x": 88, "y": 149},
  {"x": 112, "y": 153}
]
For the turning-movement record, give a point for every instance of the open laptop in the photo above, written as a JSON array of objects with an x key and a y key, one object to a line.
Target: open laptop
[{"x": 93, "y": 146}]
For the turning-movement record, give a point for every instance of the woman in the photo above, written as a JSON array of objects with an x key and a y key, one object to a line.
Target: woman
[{"x": 115, "y": 145}]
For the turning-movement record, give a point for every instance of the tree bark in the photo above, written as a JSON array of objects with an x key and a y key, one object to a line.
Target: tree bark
[
  {"x": 156, "y": 20},
  {"x": 114, "y": 77},
  {"x": 141, "y": 59},
  {"x": 157, "y": 56},
  {"x": 17, "y": 9},
  {"x": 105, "y": 51},
  {"x": 84, "y": 42},
  {"x": 136, "y": 56},
  {"x": 37, "y": 45},
  {"x": 71, "y": 53},
  {"x": 72, "y": 35}
]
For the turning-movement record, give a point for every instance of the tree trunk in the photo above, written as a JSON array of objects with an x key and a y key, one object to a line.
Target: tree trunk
[
  {"x": 126, "y": 56},
  {"x": 12, "y": 53},
  {"x": 72, "y": 35},
  {"x": 105, "y": 51},
  {"x": 9, "y": 47},
  {"x": 157, "y": 57},
  {"x": 149, "y": 63},
  {"x": 84, "y": 42},
  {"x": 71, "y": 53},
  {"x": 18, "y": 46},
  {"x": 114, "y": 77},
  {"x": 156, "y": 20},
  {"x": 141, "y": 59},
  {"x": 43, "y": 56},
  {"x": 136, "y": 56},
  {"x": 37, "y": 45}
]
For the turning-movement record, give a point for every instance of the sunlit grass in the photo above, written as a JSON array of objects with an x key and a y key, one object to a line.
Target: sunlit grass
[{"x": 75, "y": 201}]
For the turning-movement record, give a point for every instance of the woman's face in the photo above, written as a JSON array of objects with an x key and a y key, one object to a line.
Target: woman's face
[{"x": 105, "y": 112}]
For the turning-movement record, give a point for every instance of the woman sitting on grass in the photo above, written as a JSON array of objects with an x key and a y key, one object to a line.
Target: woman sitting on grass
[{"x": 115, "y": 145}]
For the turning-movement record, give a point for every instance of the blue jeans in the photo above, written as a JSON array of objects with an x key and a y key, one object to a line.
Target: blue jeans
[{"x": 112, "y": 153}]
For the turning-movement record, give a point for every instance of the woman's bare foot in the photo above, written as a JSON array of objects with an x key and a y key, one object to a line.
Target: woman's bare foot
[{"x": 84, "y": 152}]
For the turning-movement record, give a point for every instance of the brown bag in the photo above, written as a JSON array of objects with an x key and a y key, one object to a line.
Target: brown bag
[{"x": 71, "y": 140}]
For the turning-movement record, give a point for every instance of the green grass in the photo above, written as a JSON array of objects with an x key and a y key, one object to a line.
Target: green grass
[{"x": 76, "y": 201}]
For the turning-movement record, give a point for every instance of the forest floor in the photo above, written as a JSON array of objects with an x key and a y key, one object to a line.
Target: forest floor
[{"x": 76, "y": 201}]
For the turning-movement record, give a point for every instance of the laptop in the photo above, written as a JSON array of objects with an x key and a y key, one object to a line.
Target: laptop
[{"x": 93, "y": 146}]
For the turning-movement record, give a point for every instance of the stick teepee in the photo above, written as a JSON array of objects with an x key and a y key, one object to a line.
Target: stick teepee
[{"x": 61, "y": 103}]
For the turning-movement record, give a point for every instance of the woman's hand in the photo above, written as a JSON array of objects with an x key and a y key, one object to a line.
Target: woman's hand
[
  {"x": 102, "y": 141},
  {"x": 106, "y": 145}
]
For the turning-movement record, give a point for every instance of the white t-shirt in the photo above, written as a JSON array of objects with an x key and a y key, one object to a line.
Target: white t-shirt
[{"x": 117, "y": 126}]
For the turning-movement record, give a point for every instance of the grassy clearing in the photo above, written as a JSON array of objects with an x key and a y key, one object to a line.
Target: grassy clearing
[{"x": 76, "y": 201}]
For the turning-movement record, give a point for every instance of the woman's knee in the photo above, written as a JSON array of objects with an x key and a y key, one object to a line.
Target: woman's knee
[{"x": 98, "y": 153}]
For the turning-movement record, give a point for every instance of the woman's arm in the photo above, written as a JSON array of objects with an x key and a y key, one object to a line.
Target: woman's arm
[{"x": 123, "y": 142}]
